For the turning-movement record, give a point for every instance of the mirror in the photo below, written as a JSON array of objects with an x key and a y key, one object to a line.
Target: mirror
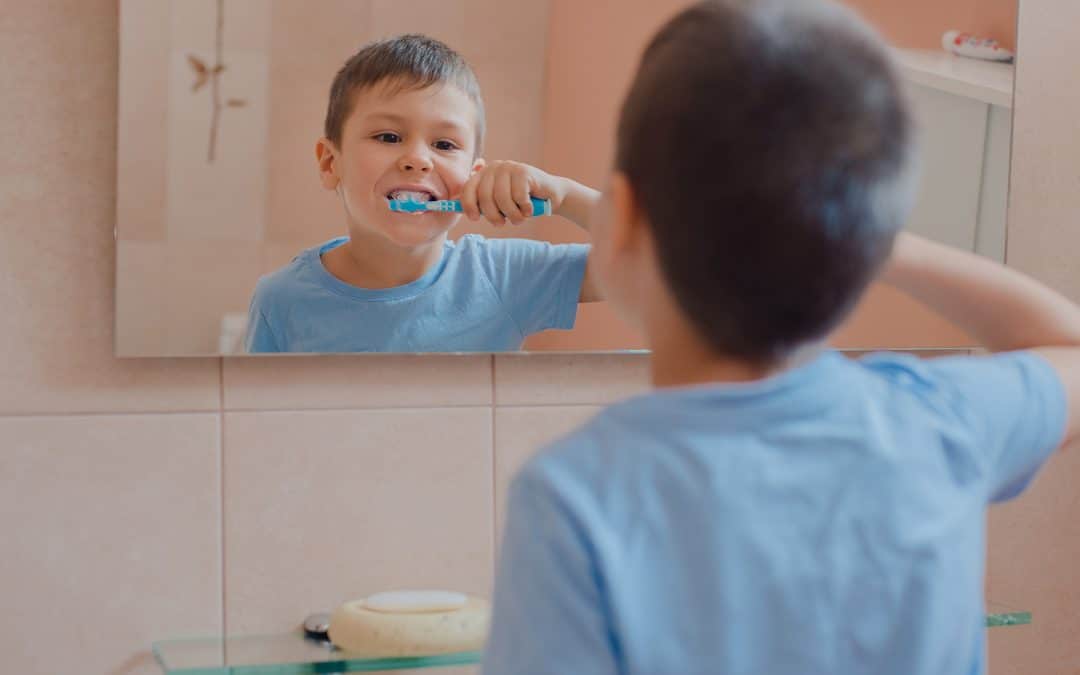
[{"x": 221, "y": 103}]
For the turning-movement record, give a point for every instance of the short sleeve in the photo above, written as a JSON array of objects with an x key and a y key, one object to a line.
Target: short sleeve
[
  {"x": 539, "y": 282},
  {"x": 260, "y": 338},
  {"x": 1016, "y": 406},
  {"x": 547, "y": 616}
]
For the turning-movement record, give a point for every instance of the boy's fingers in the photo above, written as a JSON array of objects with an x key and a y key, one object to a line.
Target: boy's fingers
[
  {"x": 468, "y": 198},
  {"x": 519, "y": 187},
  {"x": 485, "y": 197},
  {"x": 504, "y": 199}
]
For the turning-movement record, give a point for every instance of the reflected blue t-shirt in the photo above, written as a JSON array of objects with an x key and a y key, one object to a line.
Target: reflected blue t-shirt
[
  {"x": 827, "y": 521},
  {"x": 484, "y": 295}
]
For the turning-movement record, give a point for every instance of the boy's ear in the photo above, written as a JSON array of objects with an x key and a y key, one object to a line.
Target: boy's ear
[
  {"x": 326, "y": 156},
  {"x": 627, "y": 218}
]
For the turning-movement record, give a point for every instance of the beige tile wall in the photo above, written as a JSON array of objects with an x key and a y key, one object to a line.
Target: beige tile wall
[
  {"x": 143, "y": 499},
  {"x": 1035, "y": 542}
]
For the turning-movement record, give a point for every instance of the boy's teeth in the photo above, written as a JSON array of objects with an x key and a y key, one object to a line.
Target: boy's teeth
[{"x": 409, "y": 196}]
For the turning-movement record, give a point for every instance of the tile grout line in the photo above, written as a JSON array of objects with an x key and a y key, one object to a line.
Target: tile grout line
[
  {"x": 364, "y": 408},
  {"x": 494, "y": 474},
  {"x": 221, "y": 501},
  {"x": 109, "y": 413},
  {"x": 218, "y": 411}
]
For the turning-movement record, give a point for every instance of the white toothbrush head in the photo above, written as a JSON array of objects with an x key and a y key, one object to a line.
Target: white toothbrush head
[{"x": 407, "y": 206}]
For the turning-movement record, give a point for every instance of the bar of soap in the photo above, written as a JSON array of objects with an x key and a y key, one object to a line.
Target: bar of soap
[
  {"x": 410, "y": 623},
  {"x": 415, "y": 602}
]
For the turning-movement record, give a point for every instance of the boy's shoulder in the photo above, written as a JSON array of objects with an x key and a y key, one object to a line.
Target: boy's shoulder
[
  {"x": 574, "y": 460},
  {"x": 294, "y": 278},
  {"x": 480, "y": 243},
  {"x": 963, "y": 397},
  {"x": 476, "y": 250},
  {"x": 512, "y": 258},
  {"x": 606, "y": 446}
]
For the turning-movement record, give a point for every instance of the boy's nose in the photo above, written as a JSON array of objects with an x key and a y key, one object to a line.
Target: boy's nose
[{"x": 415, "y": 162}]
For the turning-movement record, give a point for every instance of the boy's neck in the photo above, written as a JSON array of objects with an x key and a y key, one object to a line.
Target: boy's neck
[
  {"x": 375, "y": 263},
  {"x": 681, "y": 359}
]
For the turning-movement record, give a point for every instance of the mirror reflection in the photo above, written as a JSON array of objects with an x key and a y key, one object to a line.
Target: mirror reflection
[{"x": 360, "y": 175}]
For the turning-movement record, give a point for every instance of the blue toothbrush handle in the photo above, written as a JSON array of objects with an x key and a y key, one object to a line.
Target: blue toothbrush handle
[{"x": 541, "y": 207}]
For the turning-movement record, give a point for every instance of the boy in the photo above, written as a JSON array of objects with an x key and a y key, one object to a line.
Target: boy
[
  {"x": 774, "y": 507},
  {"x": 405, "y": 120}
]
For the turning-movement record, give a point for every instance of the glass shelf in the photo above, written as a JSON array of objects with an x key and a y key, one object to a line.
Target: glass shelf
[
  {"x": 282, "y": 654},
  {"x": 998, "y": 614},
  {"x": 294, "y": 654}
]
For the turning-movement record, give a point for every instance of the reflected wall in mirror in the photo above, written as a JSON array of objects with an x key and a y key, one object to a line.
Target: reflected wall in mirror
[{"x": 222, "y": 102}]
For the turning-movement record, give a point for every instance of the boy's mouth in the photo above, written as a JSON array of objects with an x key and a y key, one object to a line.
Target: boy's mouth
[{"x": 410, "y": 195}]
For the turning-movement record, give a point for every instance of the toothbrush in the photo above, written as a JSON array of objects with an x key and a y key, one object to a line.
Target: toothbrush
[{"x": 541, "y": 207}]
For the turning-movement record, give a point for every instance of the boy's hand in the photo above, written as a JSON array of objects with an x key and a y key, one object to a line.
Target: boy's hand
[{"x": 501, "y": 190}]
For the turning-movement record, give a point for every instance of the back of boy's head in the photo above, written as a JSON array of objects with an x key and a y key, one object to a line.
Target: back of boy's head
[
  {"x": 401, "y": 63},
  {"x": 771, "y": 150}
]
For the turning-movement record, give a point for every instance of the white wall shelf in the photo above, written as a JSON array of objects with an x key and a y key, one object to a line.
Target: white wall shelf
[{"x": 987, "y": 81}]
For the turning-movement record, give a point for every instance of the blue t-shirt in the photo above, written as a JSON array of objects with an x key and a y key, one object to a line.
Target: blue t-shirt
[
  {"x": 484, "y": 295},
  {"x": 829, "y": 520}
]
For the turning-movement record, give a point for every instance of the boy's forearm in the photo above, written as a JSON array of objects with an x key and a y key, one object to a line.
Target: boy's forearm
[
  {"x": 578, "y": 202},
  {"x": 999, "y": 307}
]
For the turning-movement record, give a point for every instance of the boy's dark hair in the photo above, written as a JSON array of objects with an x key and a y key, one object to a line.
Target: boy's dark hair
[
  {"x": 769, "y": 145},
  {"x": 402, "y": 62}
]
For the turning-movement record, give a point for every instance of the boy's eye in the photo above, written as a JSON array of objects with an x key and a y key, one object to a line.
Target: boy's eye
[
  {"x": 445, "y": 145},
  {"x": 388, "y": 137}
]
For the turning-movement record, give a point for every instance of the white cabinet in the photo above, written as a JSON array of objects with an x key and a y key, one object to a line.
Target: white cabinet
[{"x": 964, "y": 111}]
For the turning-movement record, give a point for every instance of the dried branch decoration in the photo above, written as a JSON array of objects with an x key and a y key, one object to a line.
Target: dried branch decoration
[{"x": 212, "y": 74}]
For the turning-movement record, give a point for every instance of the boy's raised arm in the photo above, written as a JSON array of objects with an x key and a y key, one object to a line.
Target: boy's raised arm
[
  {"x": 501, "y": 190},
  {"x": 577, "y": 205},
  {"x": 999, "y": 307},
  {"x": 578, "y": 201}
]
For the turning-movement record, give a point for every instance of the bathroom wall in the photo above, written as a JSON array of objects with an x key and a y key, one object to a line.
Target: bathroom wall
[
  {"x": 919, "y": 24},
  {"x": 143, "y": 499},
  {"x": 1035, "y": 542}
]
